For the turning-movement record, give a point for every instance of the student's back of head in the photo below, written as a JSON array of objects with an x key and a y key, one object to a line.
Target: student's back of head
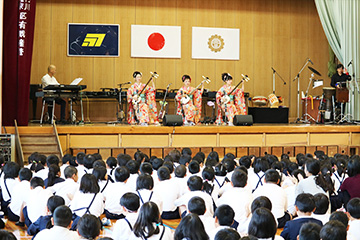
[
  {"x": 123, "y": 159},
  {"x": 54, "y": 172},
  {"x": 54, "y": 202},
  {"x": 11, "y": 170},
  {"x": 163, "y": 173},
  {"x": 122, "y": 174},
  {"x": 197, "y": 205},
  {"x": 5, "y": 235},
  {"x": 89, "y": 184},
  {"x": 305, "y": 203},
  {"x": 245, "y": 161},
  {"x": 220, "y": 170},
  {"x": 25, "y": 174},
  {"x": 62, "y": 216},
  {"x": 148, "y": 220},
  {"x": 194, "y": 167},
  {"x": 239, "y": 178},
  {"x": 66, "y": 159},
  {"x": 272, "y": 176},
  {"x": 208, "y": 174},
  {"x": 99, "y": 163},
  {"x": 195, "y": 183},
  {"x": 262, "y": 224},
  {"x": 175, "y": 155},
  {"x": 191, "y": 227},
  {"x": 227, "y": 234},
  {"x": 157, "y": 163},
  {"x": 89, "y": 161},
  {"x": 146, "y": 168},
  {"x": 52, "y": 159},
  {"x": 353, "y": 208},
  {"x": 186, "y": 151},
  {"x": 225, "y": 215},
  {"x": 259, "y": 202},
  {"x": 130, "y": 201},
  {"x": 340, "y": 216},
  {"x": 36, "y": 182},
  {"x": 133, "y": 166},
  {"x": 333, "y": 230},
  {"x": 89, "y": 226},
  {"x": 111, "y": 162},
  {"x": 212, "y": 159},
  {"x": 184, "y": 160},
  {"x": 169, "y": 165},
  {"x": 321, "y": 203},
  {"x": 99, "y": 173},
  {"x": 80, "y": 158},
  {"x": 144, "y": 181},
  {"x": 353, "y": 167},
  {"x": 180, "y": 171},
  {"x": 229, "y": 164},
  {"x": 70, "y": 171},
  {"x": 261, "y": 164},
  {"x": 309, "y": 231}
]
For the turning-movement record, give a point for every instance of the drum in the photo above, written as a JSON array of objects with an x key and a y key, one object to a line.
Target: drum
[
  {"x": 259, "y": 101},
  {"x": 273, "y": 100},
  {"x": 329, "y": 92},
  {"x": 342, "y": 95}
]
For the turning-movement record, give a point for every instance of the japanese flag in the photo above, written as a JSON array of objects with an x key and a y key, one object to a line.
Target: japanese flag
[
  {"x": 216, "y": 43},
  {"x": 151, "y": 41}
]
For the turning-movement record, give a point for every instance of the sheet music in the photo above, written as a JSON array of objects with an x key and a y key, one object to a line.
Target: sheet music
[{"x": 76, "y": 81}]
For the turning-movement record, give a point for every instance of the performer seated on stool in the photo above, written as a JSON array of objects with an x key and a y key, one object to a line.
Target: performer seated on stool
[
  {"x": 191, "y": 111},
  {"x": 338, "y": 80},
  {"x": 144, "y": 112},
  {"x": 49, "y": 79},
  {"x": 236, "y": 105}
]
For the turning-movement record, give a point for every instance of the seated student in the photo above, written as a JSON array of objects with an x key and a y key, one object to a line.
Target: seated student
[
  {"x": 263, "y": 225},
  {"x": 353, "y": 208},
  {"x": 184, "y": 160},
  {"x": 305, "y": 206},
  {"x": 224, "y": 218},
  {"x": 114, "y": 192},
  {"x": 87, "y": 200},
  {"x": 309, "y": 231},
  {"x": 43, "y": 173},
  {"x": 123, "y": 159},
  {"x": 339, "y": 174},
  {"x": 208, "y": 175},
  {"x": 296, "y": 176},
  {"x": 195, "y": 185},
  {"x": 180, "y": 179},
  {"x": 230, "y": 165},
  {"x": 8, "y": 183},
  {"x": 88, "y": 163},
  {"x": 220, "y": 175},
  {"x": 277, "y": 196},
  {"x": 38, "y": 162},
  {"x": 197, "y": 205},
  {"x": 80, "y": 161},
  {"x": 61, "y": 221},
  {"x": 257, "y": 179},
  {"x": 54, "y": 176},
  {"x": 133, "y": 167},
  {"x": 322, "y": 206},
  {"x": 123, "y": 227},
  {"x": 194, "y": 168},
  {"x": 200, "y": 158},
  {"x": 186, "y": 152},
  {"x": 175, "y": 155},
  {"x": 144, "y": 188},
  {"x": 190, "y": 227},
  {"x": 333, "y": 230},
  {"x": 168, "y": 193},
  {"x": 341, "y": 217},
  {"x": 20, "y": 192},
  {"x": 5, "y": 235},
  {"x": 148, "y": 224},
  {"x": 66, "y": 161},
  {"x": 350, "y": 184},
  {"x": 146, "y": 168},
  {"x": 101, "y": 176},
  {"x": 228, "y": 234},
  {"x": 36, "y": 202},
  {"x": 89, "y": 227},
  {"x": 170, "y": 166},
  {"x": 111, "y": 165},
  {"x": 156, "y": 164},
  {"x": 238, "y": 197},
  {"x": 44, "y": 222},
  {"x": 69, "y": 187}
]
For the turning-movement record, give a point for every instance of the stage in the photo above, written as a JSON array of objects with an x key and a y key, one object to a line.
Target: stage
[{"x": 259, "y": 139}]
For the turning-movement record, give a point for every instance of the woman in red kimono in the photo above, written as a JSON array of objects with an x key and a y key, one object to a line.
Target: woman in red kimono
[
  {"x": 236, "y": 105},
  {"x": 142, "y": 108},
  {"x": 191, "y": 111}
]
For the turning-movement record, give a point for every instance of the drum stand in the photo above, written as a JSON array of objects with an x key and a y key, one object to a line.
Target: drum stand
[{"x": 307, "y": 116}]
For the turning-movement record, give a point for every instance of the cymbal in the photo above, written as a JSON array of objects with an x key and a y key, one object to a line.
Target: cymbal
[{"x": 314, "y": 71}]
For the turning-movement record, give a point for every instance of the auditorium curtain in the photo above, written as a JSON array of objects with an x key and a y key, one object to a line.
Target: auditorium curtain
[
  {"x": 18, "y": 32},
  {"x": 340, "y": 20}
]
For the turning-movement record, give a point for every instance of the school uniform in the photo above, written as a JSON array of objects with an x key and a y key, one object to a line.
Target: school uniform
[
  {"x": 43, "y": 173},
  {"x": 338, "y": 180},
  {"x": 20, "y": 192},
  {"x": 7, "y": 187},
  {"x": 184, "y": 200},
  {"x": 36, "y": 204},
  {"x": 81, "y": 172},
  {"x": 181, "y": 184},
  {"x": 324, "y": 218},
  {"x": 256, "y": 180},
  {"x": 213, "y": 233},
  {"x": 40, "y": 224},
  {"x": 56, "y": 181},
  {"x": 292, "y": 228},
  {"x": 290, "y": 193},
  {"x": 123, "y": 227},
  {"x": 57, "y": 233},
  {"x": 239, "y": 199},
  {"x": 354, "y": 227},
  {"x": 111, "y": 174},
  {"x": 146, "y": 195},
  {"x": 113, "y": 194},
  {"x": 103, "y": 184},
  {"x": 308, "y": 185},
  {"x": 168, "y": 193},
  {"x": 164, "y": 234},
  {"x": 131, "y": 182},
  {"x": 65, "y": 189},
  {"x": 209, "y": 223},
  {"x": 62, "y": 169},
  {"x": 83, "y": 203}
]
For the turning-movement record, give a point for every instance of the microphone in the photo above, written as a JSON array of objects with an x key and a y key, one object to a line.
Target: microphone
[
  {"x": 168, "y": 85},
  {"x": 311, "y": 61},
  {"x": 350, "y": 63},
  {"x": 273, "y": 69},
  {"x": 124, "y": 83},
  {"x": 205, "y": 77}
]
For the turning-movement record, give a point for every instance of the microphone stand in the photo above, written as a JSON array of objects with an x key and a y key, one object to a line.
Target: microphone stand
[
  {"x": 120, "y": 115},
  {"x": 276, "y": 73}
]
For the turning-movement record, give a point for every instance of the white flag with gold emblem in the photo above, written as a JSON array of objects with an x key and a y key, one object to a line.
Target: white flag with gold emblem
[{"x": 216, "y": 43}]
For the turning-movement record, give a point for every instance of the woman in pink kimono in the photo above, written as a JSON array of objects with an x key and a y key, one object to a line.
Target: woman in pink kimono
[
  {"x": 142, "y": 108},
  {"x": 236, "y": 105},
  {"x": 191, "y": 111}
]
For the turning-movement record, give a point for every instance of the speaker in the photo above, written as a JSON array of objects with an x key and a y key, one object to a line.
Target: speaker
[
  {"x": 243, "y": 120},
  {"x": 172, "y": 120}
]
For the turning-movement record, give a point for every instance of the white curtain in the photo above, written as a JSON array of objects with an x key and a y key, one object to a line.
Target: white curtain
[{"x": 340, "y": 20}]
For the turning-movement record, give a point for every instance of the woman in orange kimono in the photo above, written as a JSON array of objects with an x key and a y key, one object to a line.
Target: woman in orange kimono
[
  {"x": 144, "y": 112},
  {"x": 191, "y": 111},
  {"x": 236, "y": 105}
]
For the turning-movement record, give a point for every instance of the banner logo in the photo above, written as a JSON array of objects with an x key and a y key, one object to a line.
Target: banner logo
[
  {"x": 93, "y": 40},
  {"x": 216, "y": 43}
]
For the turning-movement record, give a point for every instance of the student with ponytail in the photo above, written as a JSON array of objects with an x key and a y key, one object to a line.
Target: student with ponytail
[{"x": 53, "y": 176}]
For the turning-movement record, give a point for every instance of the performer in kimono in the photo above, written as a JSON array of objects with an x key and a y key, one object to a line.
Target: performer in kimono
[
  {"x": 236, "y": 105},
  {"x": 191, "y": 111},
  {"x": 142, "y": 108}
]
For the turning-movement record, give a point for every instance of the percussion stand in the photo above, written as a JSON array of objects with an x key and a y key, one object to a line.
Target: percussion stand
[
  {"x": 306, "y": 115},
  {"x": 298, "y": 90}
]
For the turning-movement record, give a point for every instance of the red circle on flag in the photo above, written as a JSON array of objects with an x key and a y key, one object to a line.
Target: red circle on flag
[{"x": 156, "y": 41}]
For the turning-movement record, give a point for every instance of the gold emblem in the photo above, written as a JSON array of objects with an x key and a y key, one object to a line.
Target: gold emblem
[{"x": 216, "y": 43}]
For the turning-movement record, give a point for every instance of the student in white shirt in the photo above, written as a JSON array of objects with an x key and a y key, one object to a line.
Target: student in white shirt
[
  {"x": 89, "y": 161},
  {"x": 322, "y": 206},
  {"x": 257, "y": 179},
  {"x": 47, "y": 80},
  {"x": 66, "y": 160},
  {"x": 220, "y": 175},
  {"x": 81, "y": 169},
  {"x": 191, "y": 227},
  {"x": 144, "y": 188},
  {"x": 197, "y": 205},
  {"x": 230, "y": 165},
  {"x": 180, "y": 179},
  {"x": 195, "y": 185},
  {"x": 212, "y": 188},
  {"x": 44, "y": 173},
  {"x": 88, "y": 199},
  {"x": 130, "y": 203},
  {"x": 224, "y": 218},
  {"x": 133, "y": 167},
  {"x": 146, "y": 168},
  {"x": 8, "y": 183},
  {"x": 263, "y": 225},
  {"x": 277, "y": 196},
  {"x": 353, "y": 208},
  {"x": 111, "y": 165},
  {"x": 69, "y": 187},
  {"x": 339, "y": 174},
  {"x": 114, "y": 192},
  {"x": 36, "y": 203},
  {"x": 194, "y": 168},
  {"x": 20, "y": 192},
  {"x": 89, "y": 227},
  {"x": 62, "y": 221},
  {"x": 103, "y": 179},
  {"x": 238, "y": 198},
  {"x": 168, "y": 193},
  {"x": 54, "y": 176},
  {"x": 156, "y": 164},
  {"x": 148, "y": 224}
]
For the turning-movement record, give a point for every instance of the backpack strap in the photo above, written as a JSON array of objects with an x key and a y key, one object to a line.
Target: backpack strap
[
  {"x": 107, "y": 182},
  {"x": 7, "y": 189},
  {"x": 87, "y": 208},
  {"x": 128, "y": 223}
]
